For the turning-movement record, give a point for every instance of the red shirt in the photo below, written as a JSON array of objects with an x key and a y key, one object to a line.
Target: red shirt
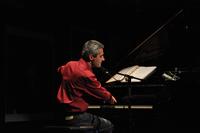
[{"x": 78, "y": 79}]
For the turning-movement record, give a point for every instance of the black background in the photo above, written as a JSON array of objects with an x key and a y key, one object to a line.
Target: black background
[{"x": 39, "y": 36}]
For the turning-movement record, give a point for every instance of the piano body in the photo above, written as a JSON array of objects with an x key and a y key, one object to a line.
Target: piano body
[
  {"x": 158, "y": 98},
  {"x": 152, "y": 51}
]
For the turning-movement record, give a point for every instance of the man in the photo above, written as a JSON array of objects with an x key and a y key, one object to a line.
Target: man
[{"x": 79, "y": 83}]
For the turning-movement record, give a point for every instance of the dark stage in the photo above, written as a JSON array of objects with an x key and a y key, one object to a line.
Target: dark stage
[{"x": 40, "y": 36}]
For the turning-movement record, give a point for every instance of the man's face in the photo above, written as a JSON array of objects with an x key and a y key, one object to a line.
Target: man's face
[{"x": 97, "y": 61}]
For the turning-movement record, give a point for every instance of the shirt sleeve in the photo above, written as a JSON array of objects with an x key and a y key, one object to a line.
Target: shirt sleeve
[{"x": 92, "y": 86}]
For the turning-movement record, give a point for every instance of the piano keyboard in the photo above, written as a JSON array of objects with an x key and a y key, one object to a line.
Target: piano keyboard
[{"x": 120, "y": 107}]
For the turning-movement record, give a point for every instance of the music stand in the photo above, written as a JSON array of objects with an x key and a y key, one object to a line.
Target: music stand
[{"x": 128, "y": 79}]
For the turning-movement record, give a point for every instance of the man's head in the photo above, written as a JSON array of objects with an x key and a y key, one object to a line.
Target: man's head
[{"x": 93, "y": 52}]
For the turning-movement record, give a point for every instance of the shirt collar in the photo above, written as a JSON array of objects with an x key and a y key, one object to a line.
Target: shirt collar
[{"x": 86, "y": 64}]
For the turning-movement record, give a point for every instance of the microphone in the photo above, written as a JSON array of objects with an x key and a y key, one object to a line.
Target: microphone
[
  {"x": 170, "y": 76},
  {"x": 108, "y": 73},
  {"x": 105, "y": 71}
]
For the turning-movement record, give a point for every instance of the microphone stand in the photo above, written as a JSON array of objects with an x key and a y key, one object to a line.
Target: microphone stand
[{"x": 128, "y": 77}]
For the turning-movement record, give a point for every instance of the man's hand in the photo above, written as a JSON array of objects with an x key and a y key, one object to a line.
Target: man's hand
[{"x": 113, "y": 100}]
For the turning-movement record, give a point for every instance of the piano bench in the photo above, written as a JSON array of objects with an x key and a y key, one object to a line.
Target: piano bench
[{"x": 70, "y": 129}]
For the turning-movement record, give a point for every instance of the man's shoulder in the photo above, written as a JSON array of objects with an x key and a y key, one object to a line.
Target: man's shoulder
[{"x": 72, "y": 62}]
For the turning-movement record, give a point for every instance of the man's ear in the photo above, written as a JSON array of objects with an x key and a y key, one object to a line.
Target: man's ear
[{"x": 91, "y": 57}]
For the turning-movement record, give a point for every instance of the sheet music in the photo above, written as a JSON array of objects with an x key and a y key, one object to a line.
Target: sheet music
[{"x": 140, "y": 72}]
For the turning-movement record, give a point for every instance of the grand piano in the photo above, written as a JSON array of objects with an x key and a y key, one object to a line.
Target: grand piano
[
  {"x": 154, "y": 50},
  {"x": 163, "y": 96}
]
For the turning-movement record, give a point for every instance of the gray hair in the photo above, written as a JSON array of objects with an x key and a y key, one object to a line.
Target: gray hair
[{"x": 91, "y": 47}]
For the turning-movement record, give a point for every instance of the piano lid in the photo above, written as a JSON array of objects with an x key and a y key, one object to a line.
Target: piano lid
[
  {"x": 160, "y": 47},
  {"x": 164, "y": 48}
]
